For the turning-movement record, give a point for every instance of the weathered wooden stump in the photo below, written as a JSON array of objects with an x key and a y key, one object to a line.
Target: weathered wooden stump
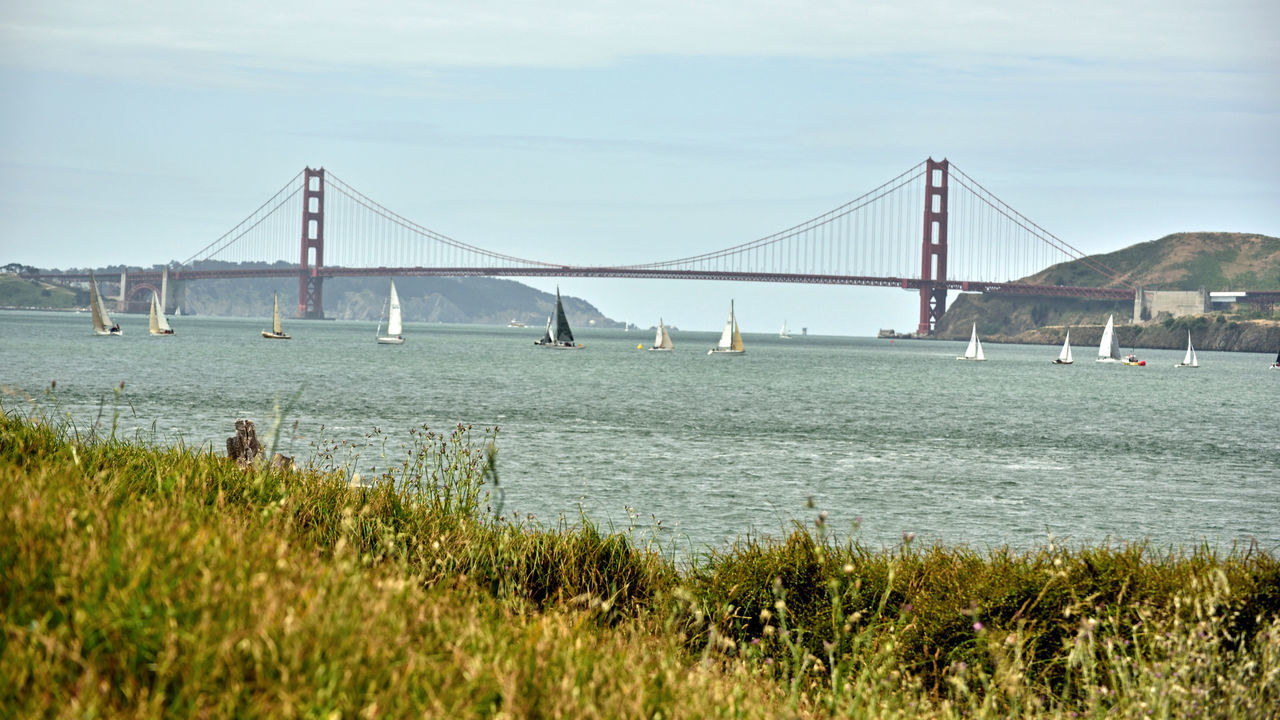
[{"x": 243, "y": 447}]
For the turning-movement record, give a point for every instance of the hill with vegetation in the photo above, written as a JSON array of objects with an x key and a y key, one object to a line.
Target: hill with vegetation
[
  {"x": 150, "y": 582},
  {"x": 480, "y": 300},
  {"x": 1183, "y": 261},
  {"x": 27, "y": 294}
]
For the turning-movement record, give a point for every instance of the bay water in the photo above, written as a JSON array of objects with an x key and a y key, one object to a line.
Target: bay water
[{"x": 889, "y": 439}]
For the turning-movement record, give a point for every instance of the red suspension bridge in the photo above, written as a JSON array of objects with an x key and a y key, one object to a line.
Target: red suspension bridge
[{"x": 929, "y": 230}]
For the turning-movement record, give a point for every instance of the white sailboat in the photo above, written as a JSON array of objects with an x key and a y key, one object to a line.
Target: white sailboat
[
  {"x": 1189, "y": 360},
  {"x": 1064, "y": 355},
  {"x": 277, "y": 330},
  {"x": 730, "y": 339},
  {"x": 662, "y": 340},
  {"x": 102, "y": 324},
  {"x": 1109, "y": 346},
  {"x": 974, "y": 350},
  {"x": 783, "y": 333},
  {"x": 156, "y": 323},
  {"x": 395, "y": 328},
  {"x": 558, "y": 334}
]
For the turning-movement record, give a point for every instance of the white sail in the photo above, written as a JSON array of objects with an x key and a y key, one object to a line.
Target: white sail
[
  {"x": 102, "y": 324},
  {"x": 1064, "y": 355},
  {"x": 726, "y": 336},
  {"x": 1189, "y": 360},
  {"x": 974, "y": 349},
  {"x": 662, "y": 338},
  {"x": 784, "y": 333},
  {"x": 1109, "y": 346},
  {"x": 156, "y": 323},
  {"x": 277, "y": 328},
  {"x": 395, "y": 328},
  {"x": 730, "y": 342},
  {"x": 394, "y": 325}
]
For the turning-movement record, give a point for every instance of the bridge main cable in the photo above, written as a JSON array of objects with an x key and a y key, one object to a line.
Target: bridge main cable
[{"x": 857, "y": 203}]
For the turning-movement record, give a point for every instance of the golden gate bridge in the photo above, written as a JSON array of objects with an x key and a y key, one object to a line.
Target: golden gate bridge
[{"x": 930, "y": 230}]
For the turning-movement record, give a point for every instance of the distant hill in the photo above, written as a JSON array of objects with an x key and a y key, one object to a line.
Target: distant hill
[
  {"x": 24, "y": 293},
  {"x": 1182, "y": 261},
  {"x": 488, "y": 301}
]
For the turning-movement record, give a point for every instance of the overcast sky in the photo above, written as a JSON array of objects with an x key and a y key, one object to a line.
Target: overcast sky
[{"x": 624, "y": 132}]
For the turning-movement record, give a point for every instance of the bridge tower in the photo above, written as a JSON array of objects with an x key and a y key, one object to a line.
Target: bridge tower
[
  {"x": 933, "y": 260},
  {"x": 310, "y": 283}
]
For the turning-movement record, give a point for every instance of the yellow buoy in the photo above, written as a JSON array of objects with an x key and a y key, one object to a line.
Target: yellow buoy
[{"x": 640, "y": 346}]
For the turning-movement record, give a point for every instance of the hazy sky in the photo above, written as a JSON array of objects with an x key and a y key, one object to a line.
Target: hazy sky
[{"x": 620, "y": 132}]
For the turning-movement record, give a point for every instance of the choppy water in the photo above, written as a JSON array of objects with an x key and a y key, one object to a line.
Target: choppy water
[{"x": 897, "y": 437}]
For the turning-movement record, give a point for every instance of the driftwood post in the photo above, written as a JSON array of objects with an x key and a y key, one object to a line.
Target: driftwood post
[{"x": 244, "y": 447}]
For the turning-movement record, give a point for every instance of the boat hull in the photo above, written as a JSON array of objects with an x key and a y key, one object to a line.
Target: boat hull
[
  {"x": 557, "y": 346},
  {"x": 274, "y": 336},
  {"x": 718, "y": 351},
  {"x": 390, "y": 341},
  {"x": 1063, "y": 362},
  {"x": 975, "y": 359},
  {"x": 661, "y": 349}
]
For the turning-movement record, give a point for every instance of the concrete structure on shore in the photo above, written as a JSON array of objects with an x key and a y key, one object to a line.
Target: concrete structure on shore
[{"x": 1147, "y": 304}]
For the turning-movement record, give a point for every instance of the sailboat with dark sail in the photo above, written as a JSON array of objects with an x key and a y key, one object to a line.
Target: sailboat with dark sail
[{"x": 558, "y": 334}]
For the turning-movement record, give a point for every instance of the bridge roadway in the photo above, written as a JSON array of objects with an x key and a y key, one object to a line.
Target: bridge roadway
[{"x": 138, "y": 278}]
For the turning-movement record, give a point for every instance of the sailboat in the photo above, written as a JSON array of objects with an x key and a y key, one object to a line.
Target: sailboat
[
  {"x": 1109, "y": 346},
  {"x": 102, "y": 324},
  {"x": 1189, "y": 360},
  {"x": 277, "y": 330},
  {"x": 394, "y": 326},
  {"x": 974, "y": 351},
  {"x": 783, "y": 332},
  {"x": 662, "y": 340},
  {"x": 558, "y": 334},
  {"x": 1064, "y": 355},
  {"x": 730, "y": 339},
  {"x": 157, "y": 324}
]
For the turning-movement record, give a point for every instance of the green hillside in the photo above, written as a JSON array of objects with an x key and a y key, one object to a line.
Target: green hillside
[
  {"x": 17, "y": 292},
  {"x": 1182, "y": 261}
]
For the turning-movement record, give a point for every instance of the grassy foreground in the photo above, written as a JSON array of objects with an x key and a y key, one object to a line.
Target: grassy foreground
[{"x": 150, "y": 582}]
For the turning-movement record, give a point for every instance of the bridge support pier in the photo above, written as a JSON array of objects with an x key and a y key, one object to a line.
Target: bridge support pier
[
  {"x": 122, "y": 301},
  {"x": 933, "y": 260},
  {"x": 310, "y": 282}
]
